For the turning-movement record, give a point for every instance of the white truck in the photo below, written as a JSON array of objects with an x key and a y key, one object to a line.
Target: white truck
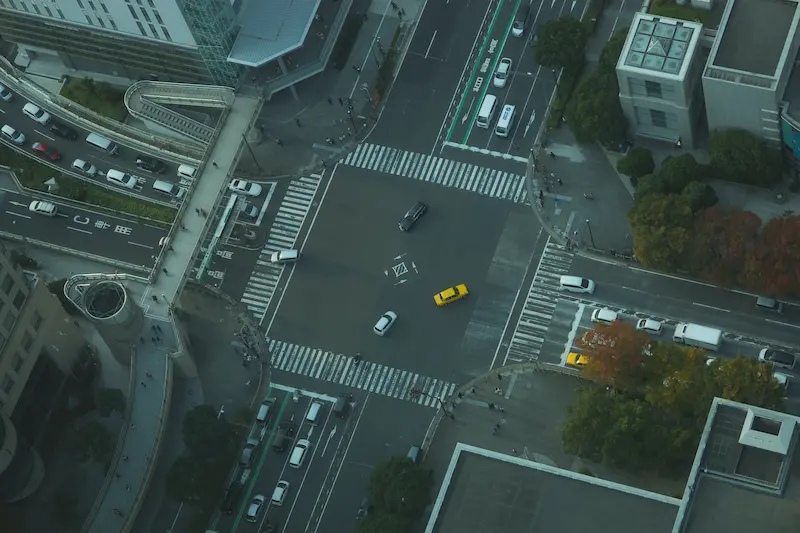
[{"x": 696, "y": 335}]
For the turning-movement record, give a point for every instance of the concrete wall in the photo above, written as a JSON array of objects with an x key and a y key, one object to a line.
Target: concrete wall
[{"x": 730, "y": 104}]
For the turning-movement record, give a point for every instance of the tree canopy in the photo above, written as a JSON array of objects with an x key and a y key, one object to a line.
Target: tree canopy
[
  {"x": 700, "y": 195},
  {"x": 677, "y": 171},
  {"x": 400, "y": 487},
  {"x": 774, "y": 267},
  {"x": 205, "y": 434},
  {"x": 561, "y": 43},
  {"x": 742, "y": 157},
  {"x": 382, "y": 523},
  {"x": 661, "y": 229},
  {"x": 612, "y": 50},
  {"x": 614, "y": 354},
  {"x": 637, "y": 162},
  {"x": 594, "y": 113}
]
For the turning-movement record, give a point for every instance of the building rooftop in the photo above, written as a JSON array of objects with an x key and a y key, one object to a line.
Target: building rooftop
[
  {"x": 659, "y": 44},
  {"x": 753, "y": 34},
  {"x": 497, "y": 493},
  {"x": 270, "y": 29}
]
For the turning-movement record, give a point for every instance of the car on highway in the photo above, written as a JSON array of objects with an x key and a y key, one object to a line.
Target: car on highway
[
  {"x": 283, "y": 436},
  {"x": 64, "y": 131},
  {"x": 5, "y": 94},
  {"x": 45, "y": 151},
  {"x": 577, "y": 360},
  {"x": 384, "y": 323},
  {"x": 576, "y": 284},
  {"x": 150, "y": 164},
  {"x": 450, "y": 295},
  {"x": 36, "y": 113},
  {"x": 43, "y": 208},
  {"x": 254, "y": 508},
  {"x": 284, "y": 256},
  {"x": 777, "y": 358},
  {"x": 280, "y": 492},
  {"x": 648, "y": 325},
  {"x": 248, "y": 453},
  {"x": 244, "y": 187},
  {"x": 15, "y": 136},
  {"x": 85, "y": 167},
  {"x": 230, "y": 498},
  {"x": 412, "y": 215},
  {"x": 502, "y": 72}
]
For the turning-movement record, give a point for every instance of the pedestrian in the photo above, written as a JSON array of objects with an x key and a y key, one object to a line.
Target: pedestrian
[
  {"x": 491, "y": 406},
  {"x": 197, "y": 210},
  {"x": 158, "y": 339},
  {"x": 165, "y": 271},
  {"x": 514, "y": 451},
  {"x": 153, "y": 327},
  {"x": 394, "y": 5},
  {"x": 366, "y": 17},
  {"x": 460, "y": 395},
  {"x": 117, "y": 475},
  {"x": 498, "y": 390},
  {"x": 552, "y": 155},
  {"x": 356, "y": 68},
  {"x": 117, "y": 512},
  {"x": 144, "y": 384},
  {"x": 501, "y": 409},
  {"x": 330, "y": 100},
  {"x": 341, "y": 101},
  {"x": 153, "y": 339},
  {"x": 299, "y": 124},
  {"x": 183, "y": 227},
  {"x": 158, "y": 327},
  {"x": 453, "y": 404},
  {"x": 402, "y": 13},
  {"x": 560, "y": 182},
  {"x": 280, "y": 142},
  {"x": 125, "y": 458},
  {"x": 499, "y": 376},
  {"x": 133, "y": 427},
  {"x": 473, "y": 390},
  {"x": 261, "y": 128},
  {"x": 141, "y": 339},
  {"x": 214, "y": 164},
  {"x": 128, "y": 488},
  {"x": 148, "y": 374},
  {"x": 154, "y": 297}
]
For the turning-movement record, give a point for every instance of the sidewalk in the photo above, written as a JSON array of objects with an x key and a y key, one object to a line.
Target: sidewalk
[{"x": 303, "y": 147}]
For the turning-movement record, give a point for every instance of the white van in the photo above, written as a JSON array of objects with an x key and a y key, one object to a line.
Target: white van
[
  {"x": 102, "y": 143},
  {"x": 299, "y": 453},
  {"x": 36, "y": 113},
  {"x": 186, "y": 172},
  {"x": 313, "y": 413},
  {"x": 120, "y": 178},
  {"x": 170, "y": 189},
  {"x": 17, "y": 137},
  {"x": 576, "y": 284},
  {"x": 487, "y": 111},
  {"x": 505, "y": 121}
]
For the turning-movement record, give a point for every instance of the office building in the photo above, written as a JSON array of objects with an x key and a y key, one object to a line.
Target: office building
[{"x": 39, "y": 345}]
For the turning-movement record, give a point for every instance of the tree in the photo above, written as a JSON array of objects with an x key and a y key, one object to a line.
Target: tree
[
  {"x": 400, "y": 487},
  {"x": 382, "y": 523},
  {"x": 205, "y": 435},
  {"x": 612, "y": 50},
  {"x": 649, "y": 184},
  {"x": 196, "y": 482},
  {"x": 742, "y": 157},
  {"x": 661, "y": 230},
  {"x": 677, "y": 171},
  {"x": 774, "y": 267},
  {"x": 722, "y": 242},
  {"x": 594, "y": 113},
  {"x": 587, "y": 422},
  {"x": 700, "y": 195},
  {"x": 614, "y": 354},
  {"x": 637, "y": 163},
  {"x": 561, "y": 44},
  {"x": 110, "y": 400},
  {"x": 93, "y": 440},
  {"x": 678, "y": 382},
  {"x": 748, "y": 381}
]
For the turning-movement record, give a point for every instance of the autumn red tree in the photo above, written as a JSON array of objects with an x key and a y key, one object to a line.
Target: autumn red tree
[
  {"x": 615, "y": 354},
  {"x": 723, "y": 240},
  {"x": 774, "y": 267}
]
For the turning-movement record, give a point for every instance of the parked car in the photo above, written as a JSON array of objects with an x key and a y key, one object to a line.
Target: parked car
[
  {"x": 605, "y": 316},
  {"x": 15, "y": 136},
  {"x": 62, "y": 130},
  {"x": 284, "y": 256},
  {"x": 248, "y": 453},
  {"x": 244, "y": 187},
  {"x": 777, "y": 358},
  {"x": 653, "y": 327},
  {"x": 364, "y": 509},
  {"x": 249, "y": 210},
  {"x": 576, "y": 360},
  {"x": 47, "y": 152},
  {"x": 150, "y": 164},
  {"x": 450, "y": 295},
  {"x": 254, "y": 508}
]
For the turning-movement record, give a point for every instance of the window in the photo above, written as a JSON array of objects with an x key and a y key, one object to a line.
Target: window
[
  {"x": 36, "y": 8},
  {"x": 153, "y": 31},
  {"x": 60, "y": 13},
  {"x": 87, "y": 18},
  {"x": 8, "y": 282},
  {"x": 19, "y": 300},
  {"x": 105, "y": 9},
  {"x": 158, "y": 17},
  {"x": 25, "y": 7},
  {"x": 91, "y": 6},
  {"x": 8, "y": 321},
  {"x": 49, "y": 13},
  {"x": 80, "y": 4},
  {"x": 113, "y": 24},
  {"x": 36, "y": 323},
  {"x": 166, "y": 33},
  {"x": 103, "y": 24},
  {"x": 145, "y": 15},
  {"x": 133, "y": 13},
  {"x": 141, "y": 28},
  {"x": 18, "y": 362},
  {"x": 8, "y": 384},
  {"x": 653, "y": 89},
  {"x": 658, "y": 118},
  {"x": 27, "y": 342}
]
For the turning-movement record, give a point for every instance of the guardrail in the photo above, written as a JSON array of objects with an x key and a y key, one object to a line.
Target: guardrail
[{"x": 185, "y": 152}]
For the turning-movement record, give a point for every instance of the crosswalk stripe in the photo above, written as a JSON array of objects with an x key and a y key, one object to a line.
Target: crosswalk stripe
[
  {"x": 366, "y": 375},
  {"x": 283, "y": 234},
  {"x": 439, "y": 171},
  {"x": 540, "y": 303}
]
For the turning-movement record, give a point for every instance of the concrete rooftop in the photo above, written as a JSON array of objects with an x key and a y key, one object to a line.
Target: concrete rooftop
[
  {"x": 492, "y": 495},
  {"x": 754, "y": 35}
]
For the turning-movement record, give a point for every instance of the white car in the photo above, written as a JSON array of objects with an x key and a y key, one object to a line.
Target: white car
[
  {"x": 5, "y": 94},
  {"x": 42, "y": 208},
  {"x": 17, "y": 137},
  {"x": 254, "y": 508},
  {"x": 279, "y": 494},
  {"x": 284, "y": 256},
  {"x": 85, "y": 167},
  {"x": 653, "y": 327},
  {"x": 36, "y": 113},
  {"x": 605, "y": 316},
  {"x": 385, "y": 322},
  {"x": 782, "y": 379},
  {"x": 245, "y": 187},
  {"x": 502, "y": 72}
]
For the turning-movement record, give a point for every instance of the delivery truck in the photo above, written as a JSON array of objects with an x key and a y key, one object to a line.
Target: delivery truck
[{"x": 696, "y": 335}]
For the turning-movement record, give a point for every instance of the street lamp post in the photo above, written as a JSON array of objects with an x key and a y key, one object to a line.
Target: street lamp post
[
  {"x": 416, "y": 393},
  {"x": 591, "y": 235},
  {"x": 365, "y": 88}
]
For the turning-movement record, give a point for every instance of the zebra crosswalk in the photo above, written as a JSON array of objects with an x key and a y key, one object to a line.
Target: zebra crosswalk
[
  {"x": 372, "y": 377},
  {"x": 540, "y": 303},
  {"x": 440, "y": 171},
  {"x": 282, "y": 235}
]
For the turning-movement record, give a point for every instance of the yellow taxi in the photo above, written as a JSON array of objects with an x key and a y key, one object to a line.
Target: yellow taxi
[
  {"x": 574, "y": 359},
  {"x": 450, "y": 295}
]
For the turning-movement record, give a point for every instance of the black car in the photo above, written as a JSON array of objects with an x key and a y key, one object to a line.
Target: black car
[
  {"x": 150, "y": 164},
  {"x": 62, "y": 130},
  {"x": 283, "y": 436},
  {"x": 231, "y": 497},
  {"x": 411, "y": 217}
]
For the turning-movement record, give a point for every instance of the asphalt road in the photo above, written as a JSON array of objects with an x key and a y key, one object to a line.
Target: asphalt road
[
  {"x": 125, "y": 160},
  {"x": 673, "y": 298},
  {"x": 116, "y": 237},
  {"x": 356, "y": 265}
]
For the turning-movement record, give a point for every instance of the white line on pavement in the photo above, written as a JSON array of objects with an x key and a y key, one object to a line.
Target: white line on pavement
[{"x": 711, "y": 307}]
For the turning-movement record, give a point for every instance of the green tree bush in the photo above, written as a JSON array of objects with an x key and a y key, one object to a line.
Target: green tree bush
[
  {"x": 677, "y": 171},
  {"x": 98, "y": 96},
  {"x": 612, "y": 50},
  {"x": 561, "y": 44},
  {"x": 742, "y": 157},
  {"x": 594, "y": 113},
  {"x": 650, "y": 184},
  {"x": 700, "y": 195},
  {"x": 637, "y": 162},
  {"x": 93, "y": 440},
  {"x": 110, "y": 400},
  {"x": 662, "y": 227},
  {"x": 401, "y": 488}
]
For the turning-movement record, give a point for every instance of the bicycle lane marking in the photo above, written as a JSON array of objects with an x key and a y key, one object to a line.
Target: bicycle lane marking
[
  {"x": 471, "y": 80},
  {"x": 485, "y": 68}
]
